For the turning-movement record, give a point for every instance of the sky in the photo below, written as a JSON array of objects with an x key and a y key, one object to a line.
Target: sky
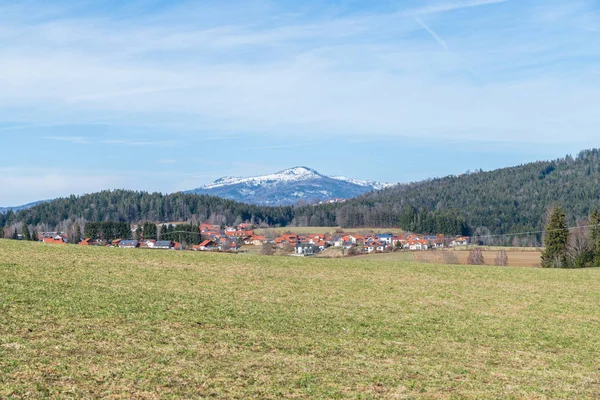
[{"x": 171, "y": 95}]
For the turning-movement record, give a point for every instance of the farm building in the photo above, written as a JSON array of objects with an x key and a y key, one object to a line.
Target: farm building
[{"x": 129, "y": 244}]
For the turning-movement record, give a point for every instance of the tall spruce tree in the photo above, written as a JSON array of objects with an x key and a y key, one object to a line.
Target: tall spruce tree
[
  {"x": 556, "y": 241},
  {"x": 25, "y": 232}
]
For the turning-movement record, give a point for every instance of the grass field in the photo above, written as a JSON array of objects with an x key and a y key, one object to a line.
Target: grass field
[
  {"x": 515, "y": 258},
  {"x": 96, "y": 322}
]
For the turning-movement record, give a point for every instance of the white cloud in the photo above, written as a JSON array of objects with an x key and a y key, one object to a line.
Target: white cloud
[
  {"x": 357, "y": 75},
  {"x": 24, "y": 185}
]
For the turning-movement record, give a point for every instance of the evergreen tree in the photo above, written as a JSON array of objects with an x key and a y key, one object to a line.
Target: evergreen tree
[
  {"x": 556, "y": 241},
  {"x": 34, "y": 235},
  {"x": 15, "y": 236},
  {"x": 78, "y": 232},
  {"x": 25, "y": 232}
]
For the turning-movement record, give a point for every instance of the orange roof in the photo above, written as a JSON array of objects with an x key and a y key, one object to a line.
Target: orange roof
[{"x": 53, "y": 241}]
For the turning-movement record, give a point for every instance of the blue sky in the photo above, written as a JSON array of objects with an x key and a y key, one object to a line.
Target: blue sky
[{"x": 170, "y": 95}]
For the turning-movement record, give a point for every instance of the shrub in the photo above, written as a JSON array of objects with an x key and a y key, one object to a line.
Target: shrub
[
  {"x": 502, "y": 258},
  {"x": 476, "y": 257}
]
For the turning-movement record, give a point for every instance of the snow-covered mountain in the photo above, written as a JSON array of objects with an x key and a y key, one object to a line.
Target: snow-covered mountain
[{"x": 289, "y": 186}]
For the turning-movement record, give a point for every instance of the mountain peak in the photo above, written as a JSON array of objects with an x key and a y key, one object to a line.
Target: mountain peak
[
  {"x": 288, "y": 186},
  {"x": 299, "y": 171}
]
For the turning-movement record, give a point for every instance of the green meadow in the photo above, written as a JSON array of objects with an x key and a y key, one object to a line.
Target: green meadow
[{"x": 81, "y": 322}]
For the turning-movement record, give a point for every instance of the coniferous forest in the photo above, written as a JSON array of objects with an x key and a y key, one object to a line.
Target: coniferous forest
[{"x": 508, "y": 200}]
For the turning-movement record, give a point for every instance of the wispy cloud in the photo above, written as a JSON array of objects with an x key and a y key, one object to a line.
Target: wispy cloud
[
  {"x": 437, "y": 38},
  {"x": 142, "y": 143},
  {"x": 71, "y": 139},
  {"x": 278, "y": 146}
]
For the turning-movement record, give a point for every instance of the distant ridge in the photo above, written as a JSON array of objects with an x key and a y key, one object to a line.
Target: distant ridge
[
  {"x": 289, "y": 187},
  {"x": 4, "y": 210}
]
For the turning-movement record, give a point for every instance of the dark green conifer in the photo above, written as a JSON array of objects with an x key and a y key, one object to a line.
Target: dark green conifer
[{"x": 556, "y": 240}]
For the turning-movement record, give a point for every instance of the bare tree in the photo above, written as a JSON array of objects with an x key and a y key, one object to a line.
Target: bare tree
[
  {"x": 476, "y": 257},
  {"x": 502, "y": 258},
  {"x": 352, "y": 251},
  {"x": 267, "y": 249},
  {"x": 288, "y": 248}
]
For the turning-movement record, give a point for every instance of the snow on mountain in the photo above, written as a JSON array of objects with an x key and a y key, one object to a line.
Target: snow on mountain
[
  {"x": 289, "y": 175},
  {"x": 372, "y": 184},
  {"x": 289, "y": 187}
]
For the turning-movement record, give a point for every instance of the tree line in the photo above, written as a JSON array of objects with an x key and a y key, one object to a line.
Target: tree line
[
  {"x": 481, "y": 204},
  {"x": 577, "y": 247}
]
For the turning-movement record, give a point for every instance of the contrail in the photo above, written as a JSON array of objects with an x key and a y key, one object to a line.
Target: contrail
[
  {"x": 453, "y": 6},
  {"x": 437, "y": 37}
]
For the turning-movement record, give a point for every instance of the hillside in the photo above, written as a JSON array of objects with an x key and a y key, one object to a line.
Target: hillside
[
  {"x": 288, "y": 187},
  {"x": 507, "y": 200},
  {"x": 113, "y": 323},
  {"x": 131, "y": 206},
  {"x": 512, "y": 199}
]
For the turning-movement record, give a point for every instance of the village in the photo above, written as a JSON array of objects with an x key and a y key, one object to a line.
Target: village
[{"x": 244, "y": 237}]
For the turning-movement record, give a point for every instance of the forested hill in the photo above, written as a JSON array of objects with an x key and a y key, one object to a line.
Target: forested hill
[
  {"x": 508, "y": 200},
  {"x": 131, "y": 206}
]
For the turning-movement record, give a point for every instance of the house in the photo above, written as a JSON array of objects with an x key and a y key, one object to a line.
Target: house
[
  {"x": 385, "y": 237},
  {"x": 356, "y": 239},
  {"x": 460, "y": 241},
  {"x": 256, "y": 240},
  {"x": 88, "y": 242},
  {"x": 375, "y": 245},
  {"x": 208, "y": 227},
  {"x": 239, "y": 234},
  {"x": 307, "y": 249},
  {"x": 233, "y": 246},
  {"x": 164, "y": 245},
  {"x": 338, "y": 241},
  {"x": 207, "y": 245},
  {"x": 289, "y": 238},
  {"x": 347, "y": 245},
  {"x": 129, "y": 244},
  {"x": 148, "y": 244},
  {"x": 315, "y": 238},
  {"x": 58, "y": 239},
  {"x": 417, "y": 245}
]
